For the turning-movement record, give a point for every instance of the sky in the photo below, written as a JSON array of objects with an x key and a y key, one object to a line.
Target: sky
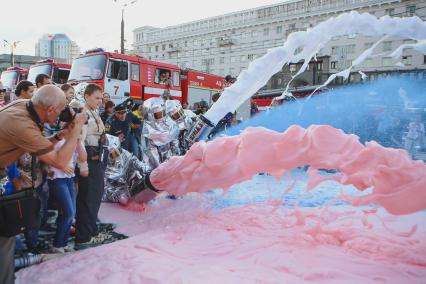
[{"x": 96, "y": 23}]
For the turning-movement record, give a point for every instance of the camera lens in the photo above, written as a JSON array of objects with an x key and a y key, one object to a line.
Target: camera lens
[{"x": 66, "y": 115}]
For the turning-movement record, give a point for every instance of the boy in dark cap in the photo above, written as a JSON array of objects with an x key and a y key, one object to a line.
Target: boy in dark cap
[{"x": 121, "y": 125}]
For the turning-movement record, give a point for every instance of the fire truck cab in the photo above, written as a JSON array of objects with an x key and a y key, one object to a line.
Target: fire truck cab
[
  {"x": 125, "y": 76},
  {"x": 58, "y": 72},
  {"x": 12, "y": 75}
]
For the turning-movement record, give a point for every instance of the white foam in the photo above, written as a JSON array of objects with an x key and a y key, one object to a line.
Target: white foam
[{"x": 310, "y": 42}]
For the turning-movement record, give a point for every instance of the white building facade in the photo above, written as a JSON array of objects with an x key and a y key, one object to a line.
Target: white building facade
[
  {"x": 226, "y": 44},
  {"x": 57, "y": 46}
]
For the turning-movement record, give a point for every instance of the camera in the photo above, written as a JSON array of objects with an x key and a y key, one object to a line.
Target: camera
[{"x": 68, "y": 117}]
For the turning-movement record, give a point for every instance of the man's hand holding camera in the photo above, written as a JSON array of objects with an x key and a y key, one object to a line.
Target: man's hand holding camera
[
  {"x": 81, "y": 118},
  {"x": 74, "y": 118}
]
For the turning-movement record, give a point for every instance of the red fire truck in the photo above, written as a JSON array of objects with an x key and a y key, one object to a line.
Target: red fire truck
[
  {"x": 264, "y": 99},
  {"x": 58, "y": 72},
  {"x": 12, "y": 75},
  {"x": 131, "y": 76}
]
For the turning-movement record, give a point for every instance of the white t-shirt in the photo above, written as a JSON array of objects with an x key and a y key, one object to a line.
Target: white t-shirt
[{"x": 55, "y": 173}]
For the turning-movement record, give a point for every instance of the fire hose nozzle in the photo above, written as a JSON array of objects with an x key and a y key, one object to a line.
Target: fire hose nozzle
[
  {"x": 148, "y": 183},
  {"x": 199, "y": 130}
]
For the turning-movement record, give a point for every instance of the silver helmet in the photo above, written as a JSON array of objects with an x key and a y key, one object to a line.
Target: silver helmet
[
  {"x": 154, "y": 108},
  {"x": 174, "y": 110}
]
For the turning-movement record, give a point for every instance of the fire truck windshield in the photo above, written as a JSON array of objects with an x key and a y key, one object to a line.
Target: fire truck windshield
[
  {"x": 88, "y": 68},
  {"x": 8, "y": 78},
  {"x": 39, "y": 69}
]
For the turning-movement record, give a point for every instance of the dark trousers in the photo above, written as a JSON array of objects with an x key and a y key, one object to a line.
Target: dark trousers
[
  {"x": 7, "y": 262},
  {"x": 31, "y": 235},
  {"x": 89, "y": 197}
]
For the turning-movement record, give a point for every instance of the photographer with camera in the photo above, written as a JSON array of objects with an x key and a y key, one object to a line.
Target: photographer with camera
[
  {"x": 21, "y": 126},
  {"x": 91, "y": 188}
]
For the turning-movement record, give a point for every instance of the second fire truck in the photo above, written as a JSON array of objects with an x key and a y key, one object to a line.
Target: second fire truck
[{"x": 58, "y": 72}]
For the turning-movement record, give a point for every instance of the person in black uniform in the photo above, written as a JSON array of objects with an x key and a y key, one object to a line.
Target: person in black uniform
[{"x": 123, "y": 125}]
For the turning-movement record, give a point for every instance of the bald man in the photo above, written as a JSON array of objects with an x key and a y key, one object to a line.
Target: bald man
[{"x": 21, "y": 126}]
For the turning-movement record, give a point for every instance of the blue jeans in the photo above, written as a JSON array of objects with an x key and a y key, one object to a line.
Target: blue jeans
[
  {"x": 133, "y": 145},
  {"x": 63, "y": 194}
]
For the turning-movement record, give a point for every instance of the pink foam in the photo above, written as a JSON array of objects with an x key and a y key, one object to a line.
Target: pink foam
[
  {"x": 180, "y": 242},
  {"x": 399, "y": 183}
]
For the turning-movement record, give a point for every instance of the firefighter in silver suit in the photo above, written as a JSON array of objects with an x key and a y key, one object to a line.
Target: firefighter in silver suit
[
  {"x": 159, "y": 133},
  {"x": 184, "y": 120}
]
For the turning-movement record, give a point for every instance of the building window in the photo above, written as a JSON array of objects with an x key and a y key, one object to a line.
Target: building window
[
  {"x": 406, "y": 60},
  {"x": 279, "y": 29},
  {"x": 386, "y": 61},
  {"x": 347, "y": 63},
  {"x": 207, "y": 61},
  {"x": 156, "y": 48},
  {"x": 410, "y": 10},
  {"x": 222, "y": 60},
  {"x": 319, "y": 66},
  {"x": 243, "y": 58},
  {"x": 254, "y": 33},
  {"x": 408, "y": 41},
  {"x": 334, "y": 50},
  {"x": 293, "y": 68},
  {"x": 368, "y": 62},
  {"x": 390, "y": 11},
  {"x": 233, "y": 59},
  {"x": 163, "y": 47},
  {"x": 368, "y": 45},
  {"x": 149, "y": 49},
  {"x": 251, "y": 57},
  {"x": 350, "y": 48},
  {"x": 387, "y": 45},
  {"x": 333, "y": 64},
  {"x": 266, "y": 31}
]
